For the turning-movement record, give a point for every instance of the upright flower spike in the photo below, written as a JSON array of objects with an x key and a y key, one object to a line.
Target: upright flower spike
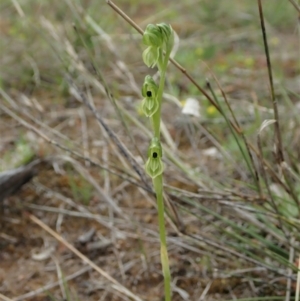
[
  {"x": 149, "y": 91},
  {"x": 158, "y": 38},
  {"x": 154, "y": 165}
]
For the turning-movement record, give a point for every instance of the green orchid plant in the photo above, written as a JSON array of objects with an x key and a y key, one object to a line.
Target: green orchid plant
[{"x": 159, "y": 40}]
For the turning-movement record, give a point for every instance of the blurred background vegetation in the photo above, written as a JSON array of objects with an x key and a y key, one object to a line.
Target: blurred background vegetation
[{"x": 235, "y": 237}]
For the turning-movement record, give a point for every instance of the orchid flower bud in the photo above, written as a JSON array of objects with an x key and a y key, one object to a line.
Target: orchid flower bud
[
  {"x": 153, "y": 36},
  {"x": 167, "y": 34},
  {"x": 151, "y": 56},
  {"x": 149, "y": 91},
  {"x": 157, "y": 37},
  {"x": 154, "y": 165}
]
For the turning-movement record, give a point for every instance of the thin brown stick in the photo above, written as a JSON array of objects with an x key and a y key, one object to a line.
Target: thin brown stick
[
  {"x": 279, "y": 148},
  {"x": 123, "y": 150},
  {"x": 242, "y": 135}
]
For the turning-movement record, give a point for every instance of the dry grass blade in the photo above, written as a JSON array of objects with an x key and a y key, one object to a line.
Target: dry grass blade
[
  {"x": 55, "y": 143},
  {"x": 279, "y": 147},
  {"x": 298, "y": 281},
  {"x": 289, "y": 280},
  {"x": 297, "y": 7},
  {"x": 212, "y": 101},
  {"x": 118, "y": 285},
  {"x": 52, "y": 285},
  {"x": 4, "y": 298},
  {"x": 124, "y": 151},
  {"x": 265, "y": 124}
]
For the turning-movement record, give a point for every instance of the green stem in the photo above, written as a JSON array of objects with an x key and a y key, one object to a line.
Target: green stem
[
  {"x": 158, "y": 182},
  {"x": 158, "y": 187},
  {"x": 156, "y": 115}
]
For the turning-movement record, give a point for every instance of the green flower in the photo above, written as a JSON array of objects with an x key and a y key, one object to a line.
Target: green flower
[
  {"x": 151, "y": 56},
  {"x": 158, "y": 38},
  {"x": 154, "y": 165},
  {"x": 167, "y": 35},
  {"x": 150, "y": 102},
  {"x": 152, "y": 36}
]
